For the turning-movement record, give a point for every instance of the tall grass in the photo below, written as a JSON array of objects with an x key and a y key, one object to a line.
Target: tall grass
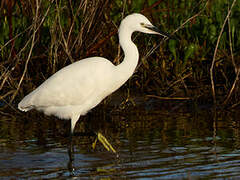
[{"x": 39, "y": 37}]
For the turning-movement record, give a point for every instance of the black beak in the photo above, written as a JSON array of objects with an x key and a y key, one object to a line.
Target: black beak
[{"x": 155, "y": 29}]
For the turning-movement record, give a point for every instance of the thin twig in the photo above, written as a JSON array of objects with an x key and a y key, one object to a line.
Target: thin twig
[
  {"x": 73, "y": 23},
  {"x": 30, "y": 52},
  {"x": 66, "y": 49},
  {"x": 215, "y": 53},
  {"x": 191, "y": 18},
  {"x": 177, "y": 81},
  {"x": 180, "y": 27},
  {"x": 8, "y": 73},
  {"x": 230, "y": 44},
  {"x": 235, "y": 105},
  {"x": 237, "y": 70},
  {"x": 152, "y": 6},
  {"x": 19, "y": 34},
  {"x": 233, "y": 87},
  {"x": 169, "y": 98}
]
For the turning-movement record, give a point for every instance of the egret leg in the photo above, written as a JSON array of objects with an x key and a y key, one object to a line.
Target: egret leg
[
  {"x": 71, "y": 155},
  {"x": 104, "y": 141}
]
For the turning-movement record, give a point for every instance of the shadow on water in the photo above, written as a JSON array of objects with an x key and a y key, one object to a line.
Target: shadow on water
[{"x": 162, "y": 141}]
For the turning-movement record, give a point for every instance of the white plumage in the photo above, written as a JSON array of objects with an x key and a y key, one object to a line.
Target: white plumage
[{"x": 79, "y": 87}]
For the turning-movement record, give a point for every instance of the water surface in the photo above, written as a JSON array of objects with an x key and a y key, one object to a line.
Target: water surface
[{"x": 153, "y": 141}]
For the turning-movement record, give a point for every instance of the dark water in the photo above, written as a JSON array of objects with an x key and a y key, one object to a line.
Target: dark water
[{"x": 152, "y": 141}]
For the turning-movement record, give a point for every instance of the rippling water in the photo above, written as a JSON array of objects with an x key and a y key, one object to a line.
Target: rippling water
[{"x": 154, "y": 142}]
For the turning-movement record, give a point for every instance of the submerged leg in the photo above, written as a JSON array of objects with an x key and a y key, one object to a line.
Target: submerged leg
[
  {"x": 104, "y": 141},
  {"x": 71, "y": 155}
]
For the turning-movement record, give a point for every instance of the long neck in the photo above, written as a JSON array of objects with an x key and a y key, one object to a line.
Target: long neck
[{"x": 131, "y": 55}]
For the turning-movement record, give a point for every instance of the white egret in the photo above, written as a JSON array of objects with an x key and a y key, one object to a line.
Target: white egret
[{"x": 77, "y": 88}]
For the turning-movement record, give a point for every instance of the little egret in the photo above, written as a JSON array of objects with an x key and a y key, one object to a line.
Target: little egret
[{"x": 80, "y": 86}]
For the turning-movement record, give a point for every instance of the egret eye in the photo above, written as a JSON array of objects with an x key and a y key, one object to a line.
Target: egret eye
[{"x": 142, "y": 24}]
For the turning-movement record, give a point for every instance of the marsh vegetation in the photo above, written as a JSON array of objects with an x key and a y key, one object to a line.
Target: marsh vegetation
[{"x": 201, "y": 64}]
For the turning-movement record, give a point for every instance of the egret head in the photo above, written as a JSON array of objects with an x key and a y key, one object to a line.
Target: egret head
[{"x": 138, "y": 22}]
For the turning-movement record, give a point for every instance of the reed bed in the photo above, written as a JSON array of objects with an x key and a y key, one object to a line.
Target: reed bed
[{"x": 201, "y": 62}]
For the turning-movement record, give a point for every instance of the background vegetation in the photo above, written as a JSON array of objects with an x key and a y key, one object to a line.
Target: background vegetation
[{"x": 38, "y": 37}]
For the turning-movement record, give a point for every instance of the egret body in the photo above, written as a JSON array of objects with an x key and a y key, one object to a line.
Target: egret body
[{"x": 79, "y": 87}]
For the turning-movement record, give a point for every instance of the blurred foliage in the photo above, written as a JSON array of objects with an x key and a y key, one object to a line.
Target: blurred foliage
[{"x": 67, "y": 31}]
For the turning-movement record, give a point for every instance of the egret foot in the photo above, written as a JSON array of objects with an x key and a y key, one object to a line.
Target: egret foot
[{"x": 104, "y": 141}]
